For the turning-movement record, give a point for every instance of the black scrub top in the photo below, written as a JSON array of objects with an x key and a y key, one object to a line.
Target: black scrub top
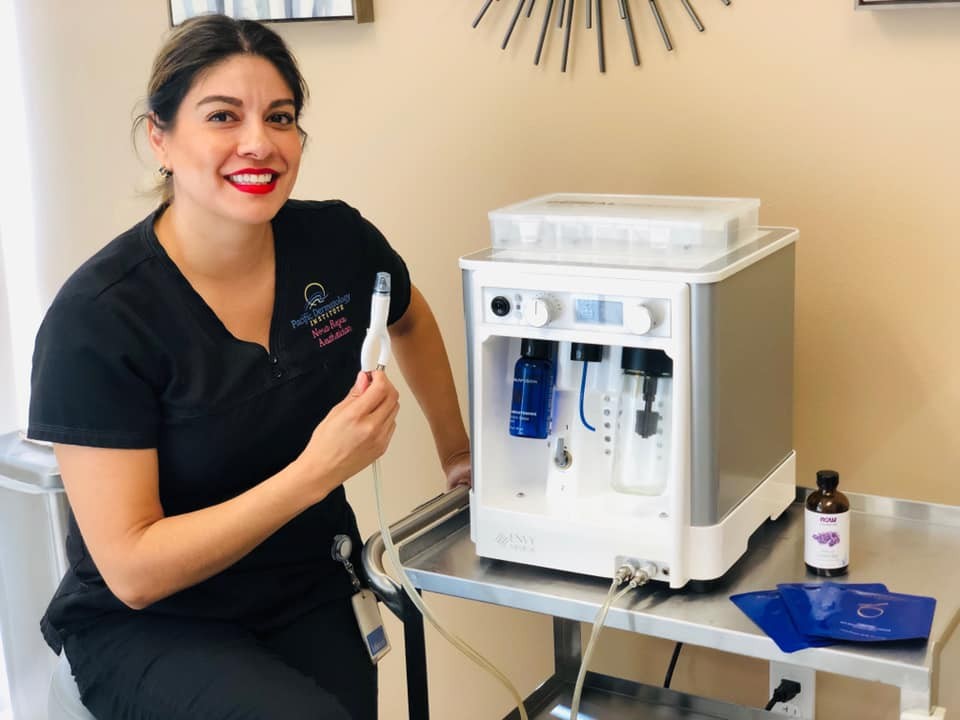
[{"x": 130, "y": 356}]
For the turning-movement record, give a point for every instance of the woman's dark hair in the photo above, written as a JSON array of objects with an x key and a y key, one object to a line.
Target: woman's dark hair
[{"x": 197, "y": 45}]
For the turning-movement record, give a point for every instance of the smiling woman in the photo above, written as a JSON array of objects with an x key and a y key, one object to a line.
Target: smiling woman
[
  {"x": 274, "y": 10},
  {"x": 236, "y": 129},
  {"x": 199, "y": 380}
]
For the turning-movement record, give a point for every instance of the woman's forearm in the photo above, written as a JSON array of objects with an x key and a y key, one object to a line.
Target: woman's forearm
[
  {"x": 179, "y": 551},
  {"x": 144, "y": 555}
]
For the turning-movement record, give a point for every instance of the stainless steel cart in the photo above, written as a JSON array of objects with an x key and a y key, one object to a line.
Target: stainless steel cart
[
  {"x": 33, "y": 520},
  {"x": 912, "y": 546}
]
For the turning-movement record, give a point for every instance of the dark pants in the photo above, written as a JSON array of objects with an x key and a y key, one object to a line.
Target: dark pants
[{"x": 148, "y": 667}]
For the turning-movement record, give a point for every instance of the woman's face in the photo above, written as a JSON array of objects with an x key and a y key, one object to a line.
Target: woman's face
[{"x": 233, "y": 148}]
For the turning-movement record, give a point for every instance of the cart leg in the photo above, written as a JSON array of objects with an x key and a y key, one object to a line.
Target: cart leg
[
  {"x": 915, "y": 703},
  {"x": 566, "y": 648},
  {"x": 415, "y": 653}
]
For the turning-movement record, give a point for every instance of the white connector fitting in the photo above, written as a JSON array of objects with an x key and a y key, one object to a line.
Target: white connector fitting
[
  {"x": 636, "y": 575},
  {"x": 624, "y": 573}
]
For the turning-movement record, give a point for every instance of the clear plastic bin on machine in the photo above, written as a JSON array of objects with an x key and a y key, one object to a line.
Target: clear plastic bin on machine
[{"x": 675, "y": 231}]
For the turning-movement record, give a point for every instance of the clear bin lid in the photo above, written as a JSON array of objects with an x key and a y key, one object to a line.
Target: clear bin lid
[{"x": 638, "y": 230}]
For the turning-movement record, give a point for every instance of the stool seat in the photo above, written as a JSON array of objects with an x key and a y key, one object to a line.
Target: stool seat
[{"x": 64, "y": 700}]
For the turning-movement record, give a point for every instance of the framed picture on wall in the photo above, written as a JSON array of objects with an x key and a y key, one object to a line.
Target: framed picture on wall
[
  {"x": 274, "y": 10},
  {"x": 877, "y": 4}
]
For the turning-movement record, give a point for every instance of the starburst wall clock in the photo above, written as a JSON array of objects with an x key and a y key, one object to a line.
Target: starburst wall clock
[{"x": 562, "y": 14}]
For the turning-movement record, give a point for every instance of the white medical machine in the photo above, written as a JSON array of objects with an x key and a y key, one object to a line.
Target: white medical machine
[{"x": 630, "y": 366}]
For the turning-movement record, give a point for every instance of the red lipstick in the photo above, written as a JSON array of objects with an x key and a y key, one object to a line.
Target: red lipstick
[{"x": 254, "y": 188}]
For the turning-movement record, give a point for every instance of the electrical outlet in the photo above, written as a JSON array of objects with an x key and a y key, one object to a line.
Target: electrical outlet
[
  {"x": 803, "y": 706},
  {"x": 788, "y": 709}
]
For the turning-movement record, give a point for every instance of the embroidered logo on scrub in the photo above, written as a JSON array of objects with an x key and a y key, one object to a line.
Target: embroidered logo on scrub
[{"x": 323, "y": 314}]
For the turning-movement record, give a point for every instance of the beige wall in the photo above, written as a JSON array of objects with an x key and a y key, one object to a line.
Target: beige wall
[
  {"x": 8, "y": 417},
  {"x": 844, "y": 123}
]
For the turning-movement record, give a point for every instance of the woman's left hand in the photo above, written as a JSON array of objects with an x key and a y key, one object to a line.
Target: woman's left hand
[{"x": 457, "y": 469}]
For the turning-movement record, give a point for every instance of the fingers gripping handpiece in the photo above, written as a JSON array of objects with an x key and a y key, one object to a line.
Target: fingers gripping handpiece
[{"x": 375, "y": 352}]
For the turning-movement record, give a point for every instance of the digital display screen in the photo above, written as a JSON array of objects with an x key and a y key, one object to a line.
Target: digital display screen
[{"x": 598, "y": 312}]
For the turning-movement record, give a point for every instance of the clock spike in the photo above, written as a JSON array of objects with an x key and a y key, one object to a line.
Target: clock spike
[
  {"x": 693, "y": 15},
  {"x": 513, "y": 24},
  {"x": 543, "y": 32},
  {"x": 600, "y": 53},
  {"x": 625, "y": 16},
  {"x": 566, "y": 35},
  {"x": 483, "y": 11},
  {"x": 663, "y": 28}
]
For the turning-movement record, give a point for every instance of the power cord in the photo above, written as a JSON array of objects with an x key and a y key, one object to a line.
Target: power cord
[
  {"x": 786, "y": 691},
  {"x": 673, "y": 664}
]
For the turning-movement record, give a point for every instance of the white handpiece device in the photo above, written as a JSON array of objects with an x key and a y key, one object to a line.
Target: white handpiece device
[{"x": 375, "y": 352}]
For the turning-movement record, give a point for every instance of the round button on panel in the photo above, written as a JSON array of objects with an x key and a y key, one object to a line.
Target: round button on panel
[
  {"x": 638, "y": 319},
  {"x": 500, "y": 306}
]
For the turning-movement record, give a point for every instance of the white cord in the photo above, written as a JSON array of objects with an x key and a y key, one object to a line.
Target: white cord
[
  {"x": 639, "y": 578},
  {"x": 415, "y": 598},
  {"x": 375, "y": 353}
]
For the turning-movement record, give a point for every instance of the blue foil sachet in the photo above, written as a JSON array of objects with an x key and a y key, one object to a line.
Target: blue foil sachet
[
  {"x": 768, "y": 611},
  {"x": 845, "y": 612}
]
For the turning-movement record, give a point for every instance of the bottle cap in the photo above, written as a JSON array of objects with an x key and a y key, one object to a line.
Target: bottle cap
[
  {"x": 538, "y": 349},
  {"x": 828, "y": 479},
  {"x": 586, "y": 352},
  {"x": 655, "y": 363}
]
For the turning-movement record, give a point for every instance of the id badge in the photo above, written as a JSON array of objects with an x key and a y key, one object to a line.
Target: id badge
[{"x": 371, "y": 624}]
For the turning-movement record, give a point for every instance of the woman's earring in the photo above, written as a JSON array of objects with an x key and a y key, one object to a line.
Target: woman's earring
[{"x": 165, "y": 172}]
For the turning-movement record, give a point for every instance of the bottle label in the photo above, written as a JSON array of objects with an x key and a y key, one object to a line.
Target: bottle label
[
  {"x": 530, "y": 407},
  {"x": 826, "y": 540}
]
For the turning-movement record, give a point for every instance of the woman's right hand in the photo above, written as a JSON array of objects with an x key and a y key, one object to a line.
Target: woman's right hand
[
  {"x": 145, "y": 555},
  {"x": 354, "y": 433}
]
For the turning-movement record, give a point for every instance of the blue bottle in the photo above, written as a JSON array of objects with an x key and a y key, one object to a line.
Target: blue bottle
[{"x": 533, "y": 381}]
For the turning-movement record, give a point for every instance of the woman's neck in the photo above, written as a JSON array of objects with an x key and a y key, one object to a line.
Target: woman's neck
[{"x": 211, "y": 248}]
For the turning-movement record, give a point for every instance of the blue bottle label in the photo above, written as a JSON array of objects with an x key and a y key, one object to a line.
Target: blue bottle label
[{"x": 532, "y": 399}]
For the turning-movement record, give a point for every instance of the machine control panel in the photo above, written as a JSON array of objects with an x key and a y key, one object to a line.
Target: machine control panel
[{"x": 572, "y": 310}]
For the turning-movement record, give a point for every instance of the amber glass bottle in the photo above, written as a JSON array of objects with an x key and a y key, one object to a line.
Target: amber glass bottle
[{"x": 826, "y": 545}]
